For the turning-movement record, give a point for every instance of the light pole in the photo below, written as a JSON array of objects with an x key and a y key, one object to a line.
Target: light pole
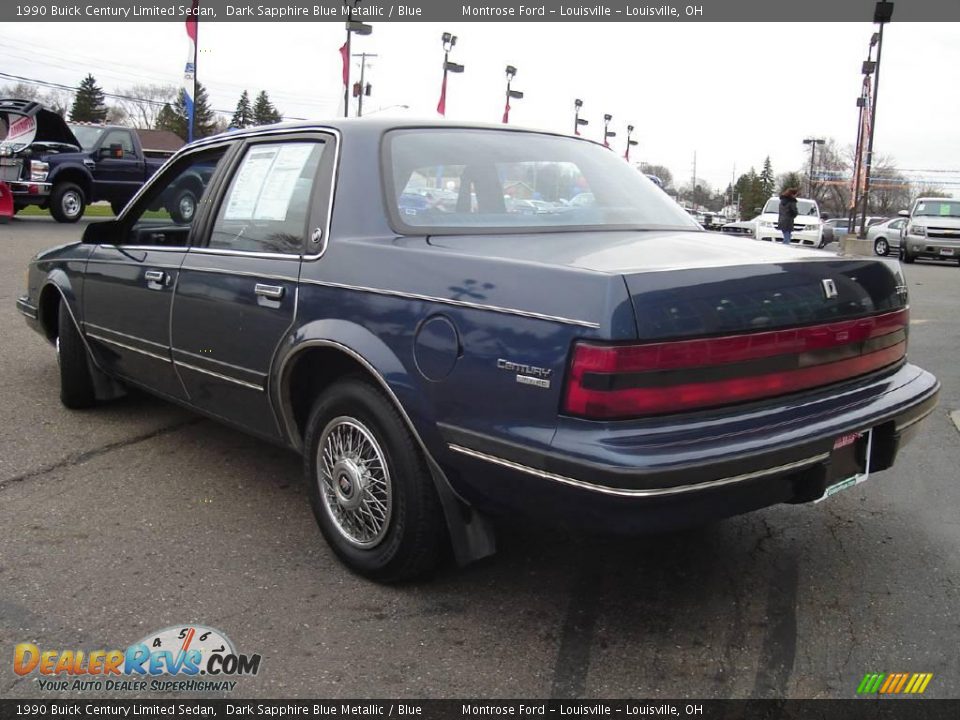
[
  {"x": 882, "y": 14},
  {"x": 607, "y": 132},
  {"x": 578, "y": 122},
  {"x": 353, "y": 26},
  {"x": 514, "y": 94},
  {"x": 812, "y": 142},
  {"x": 448, "y": 67},
  {"x": 630, "y": 142}
]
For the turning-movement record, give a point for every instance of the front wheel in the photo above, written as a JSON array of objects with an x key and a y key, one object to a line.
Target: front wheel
[
  {"x": 881, "y": 248},
  {"x": 906, "y": 256},
  {"x": 183, "y": 207},
  {"x": 67, "y": 202},
  {"x": 369, "y": 486}
]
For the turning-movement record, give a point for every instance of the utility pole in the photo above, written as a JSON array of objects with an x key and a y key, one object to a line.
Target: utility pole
[
  {"x": 352, "y": 26},
  {"x": 362, "y": 89}
]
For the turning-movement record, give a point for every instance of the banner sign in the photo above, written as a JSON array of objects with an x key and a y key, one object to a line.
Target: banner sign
[{"x": 482, "y": 11}]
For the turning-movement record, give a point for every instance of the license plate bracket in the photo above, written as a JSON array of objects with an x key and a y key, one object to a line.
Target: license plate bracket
[
  {"x": 946, "y": 251},
  {"x": 849, "y": 462}
]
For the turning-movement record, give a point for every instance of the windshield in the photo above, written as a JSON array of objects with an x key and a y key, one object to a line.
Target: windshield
[
  {"x": 804, "y": 207},
  {"x": 937, "y": 208},
  {"x": 490, "y": 180},
  {"x": 85, "y": 134}
]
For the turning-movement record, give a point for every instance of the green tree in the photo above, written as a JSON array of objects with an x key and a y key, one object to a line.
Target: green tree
[
  {"x": 767, "y": 179},
  {"x": 791, "y": 179},
  {"x": 243, "y": 115},
  {"x": 88, "y": 104},
  {"x": 752, "y": 196},
  {"x": 264, "y": 113},
  {"x": 176, "y": 119}
]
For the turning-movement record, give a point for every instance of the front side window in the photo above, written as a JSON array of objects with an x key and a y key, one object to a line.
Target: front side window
[
  {"x": 121, "y": 138},
  {"x": 267, "y": 204},
  {"x": 164, "y": 215},
  {"x": 464, "y": 180}
]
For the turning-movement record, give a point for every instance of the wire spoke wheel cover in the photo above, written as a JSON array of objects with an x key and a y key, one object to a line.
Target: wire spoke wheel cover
[{"x": 354, "y": 482}]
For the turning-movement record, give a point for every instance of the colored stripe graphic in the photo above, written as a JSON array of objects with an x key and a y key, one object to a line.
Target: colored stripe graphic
[{"x": 894, "y": 683}]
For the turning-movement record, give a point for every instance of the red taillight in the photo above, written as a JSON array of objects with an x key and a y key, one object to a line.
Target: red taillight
[{"x": 620, "y": 381}]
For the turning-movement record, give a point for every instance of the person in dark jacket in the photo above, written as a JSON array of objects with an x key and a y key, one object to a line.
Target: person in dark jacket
[{"x": 788, "y": 211}]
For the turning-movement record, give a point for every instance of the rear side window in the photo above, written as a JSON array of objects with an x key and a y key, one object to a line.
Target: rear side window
[{"x": 267, "y": 205}]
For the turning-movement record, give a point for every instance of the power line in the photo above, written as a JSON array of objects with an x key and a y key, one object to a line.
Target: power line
[{"x": 116, "y": 96}]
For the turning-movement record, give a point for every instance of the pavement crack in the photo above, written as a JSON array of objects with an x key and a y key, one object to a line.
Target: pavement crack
[{"x": 87, "y": 455}]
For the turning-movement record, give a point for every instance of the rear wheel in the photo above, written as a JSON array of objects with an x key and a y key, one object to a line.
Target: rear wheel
[
  {"x": 881, "y": 248},
  {"x": 76, "y": 384},
  {"x": 67, "y": 202},
  {"x": 369, "y": 486}
]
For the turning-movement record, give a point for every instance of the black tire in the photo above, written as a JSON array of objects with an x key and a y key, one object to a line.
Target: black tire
[
  {"x": 117, "y": 207},
  {"x": 406, "y": 537},
  {"x": 881, "y": 247},
  {"x": 905, "y": 256},
  {"x": 67, "y": 202},
  {"x": 184, "y": 207},
  {"x": 76, "y": 384}
]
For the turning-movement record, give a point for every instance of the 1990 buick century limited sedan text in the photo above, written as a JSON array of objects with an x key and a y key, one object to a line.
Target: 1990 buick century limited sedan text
[{"x": 454, "y": 321}]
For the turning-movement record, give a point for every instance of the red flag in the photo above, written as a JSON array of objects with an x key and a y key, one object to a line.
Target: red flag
[
  {"x": 346, "y": 66},
  {"x": 442, "y": 105},
  {"x": 506, "y": 112}
]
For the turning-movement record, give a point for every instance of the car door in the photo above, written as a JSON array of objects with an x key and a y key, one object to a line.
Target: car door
[
  {"x": 118, "y": 169},
  {"x": 237, "y": 292},
  {"x": 128, "y": 285}
]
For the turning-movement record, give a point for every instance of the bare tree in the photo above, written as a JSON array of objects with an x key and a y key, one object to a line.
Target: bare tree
[{"x": 143, "y": 103}]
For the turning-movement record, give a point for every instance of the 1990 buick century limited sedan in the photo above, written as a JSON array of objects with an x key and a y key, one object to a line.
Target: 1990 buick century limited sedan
[{"x": 451, "y": 322}]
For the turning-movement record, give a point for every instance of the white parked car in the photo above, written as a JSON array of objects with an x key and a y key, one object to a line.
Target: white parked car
[{"x": 807, "y": 226}]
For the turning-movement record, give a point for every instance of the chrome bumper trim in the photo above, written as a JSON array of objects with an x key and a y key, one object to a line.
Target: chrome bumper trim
[
  {"x": 27, "y": 309},
  {"x": 641, "y": 492}
]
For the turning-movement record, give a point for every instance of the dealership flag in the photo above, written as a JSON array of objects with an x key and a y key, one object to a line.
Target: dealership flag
[
  {"x": 345, "y": 60},
  {"x": 442, "y": 105},
  {"x": 506, "y": 111},
  {"x": 190, "y": 71}
]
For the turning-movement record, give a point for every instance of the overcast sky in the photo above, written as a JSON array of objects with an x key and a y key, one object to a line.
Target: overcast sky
[{"x": 732, "y": 93}]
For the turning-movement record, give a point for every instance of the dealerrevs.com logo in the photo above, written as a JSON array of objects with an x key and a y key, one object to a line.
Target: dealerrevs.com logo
[{"x": 188, "y": 658}]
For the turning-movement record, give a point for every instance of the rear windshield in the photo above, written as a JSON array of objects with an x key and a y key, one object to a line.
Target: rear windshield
[
  {"x": 461, "y": 180},
  {"x": 804, "y": 207},
  {"x": 938, "y": 208}
]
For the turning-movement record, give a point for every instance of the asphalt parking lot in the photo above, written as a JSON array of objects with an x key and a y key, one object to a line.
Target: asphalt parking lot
[{"x": 138, "y": 515}]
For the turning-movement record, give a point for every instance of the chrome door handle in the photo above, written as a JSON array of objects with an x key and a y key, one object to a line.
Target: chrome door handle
[
  {"x": 273, "y": 292},
  {"x": 155, "y": 276}
]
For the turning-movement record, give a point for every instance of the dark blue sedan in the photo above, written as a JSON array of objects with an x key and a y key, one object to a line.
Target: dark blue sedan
[{"x": 372, "y": 295}]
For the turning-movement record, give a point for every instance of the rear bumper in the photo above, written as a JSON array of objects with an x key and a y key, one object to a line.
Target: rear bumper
[{"x": 662, "y": 474}]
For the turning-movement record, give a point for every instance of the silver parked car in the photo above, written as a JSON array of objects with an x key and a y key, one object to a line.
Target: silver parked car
[{"x": 885, "y": 235}]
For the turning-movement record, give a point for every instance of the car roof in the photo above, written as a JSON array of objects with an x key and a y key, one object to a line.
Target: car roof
[{"x": 375, "y": 127}]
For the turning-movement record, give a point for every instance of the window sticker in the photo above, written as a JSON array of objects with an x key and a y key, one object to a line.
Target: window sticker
[
  {"x": 246, "y": 186},
  {"x": 279, "y": 185}
]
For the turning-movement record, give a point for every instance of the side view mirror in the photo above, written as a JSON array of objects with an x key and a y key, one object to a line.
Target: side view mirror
[
  {"x": 114, "y": 151},
  {"x": 824, "y": 216},
  {"x": 758, "y": 211},
  {"x": 101, "y": 233},
  {"x": 904, "y": 213}
]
